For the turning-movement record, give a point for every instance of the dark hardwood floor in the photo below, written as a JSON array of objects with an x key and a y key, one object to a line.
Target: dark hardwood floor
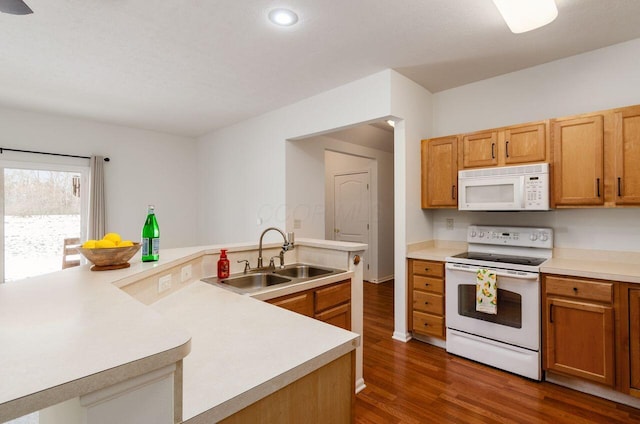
[{"x": 415, "y": 382}]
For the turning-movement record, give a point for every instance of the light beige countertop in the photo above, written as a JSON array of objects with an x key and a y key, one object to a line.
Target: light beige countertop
[
  {"x": 73, "y": 332},
  {"x": 605, "y": 265},
  {"x": 245, "y": 349},
  {"x": 68, "y": 333},
  {"x": 435, "y": 250}
]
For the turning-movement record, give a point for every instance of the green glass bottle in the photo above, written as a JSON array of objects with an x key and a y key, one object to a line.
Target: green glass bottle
[{"x": 150, "y": 237}]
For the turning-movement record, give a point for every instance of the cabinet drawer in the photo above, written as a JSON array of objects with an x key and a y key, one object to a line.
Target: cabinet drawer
[
  {"x": 435, "y": 285},
  {"x": 301, "y": 303},
  {"x": 428, "y": 302},
  {"x": 579, "y": 289},
  {"x": 428, "y": 324},
  {"x": 340, "y": 316},
  {"x": 331, "y": 296},
  {"x": 431, "y": 268}
]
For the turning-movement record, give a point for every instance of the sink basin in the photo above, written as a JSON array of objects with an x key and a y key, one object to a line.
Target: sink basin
[
  {"x": 303, "y": 271},
  {"x": 263, "y": 278},
  {"x": 251, "y": 281}
]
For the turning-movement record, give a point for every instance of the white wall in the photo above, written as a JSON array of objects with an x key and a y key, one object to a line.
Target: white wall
[
  {"x": 601, "y": 79},
  {"x": 244, "y": 167},
  {"x": 146, "y": 167}
]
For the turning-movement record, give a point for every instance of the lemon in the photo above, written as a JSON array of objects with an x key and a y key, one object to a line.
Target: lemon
[
  {"x": 114, "y": 237},
  {"x": 125, "y": 243},
  {"x": 89, "y": 244},
  {"x": 101, "y": 244}
]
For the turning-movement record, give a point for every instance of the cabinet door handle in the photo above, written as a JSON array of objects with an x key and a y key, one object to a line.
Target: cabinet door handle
[
  {"x": 598, "y": 186},
  {"x": 453, "y": 191},
  {"x": 619, "y": 187},
  {"x": 507, "y": 148},
  {"x": 551, "y": 314},
  {"x": 493, "y": 150}
]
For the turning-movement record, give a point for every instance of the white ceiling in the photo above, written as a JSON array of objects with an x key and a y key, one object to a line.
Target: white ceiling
[{"x": 191, "y": 66}]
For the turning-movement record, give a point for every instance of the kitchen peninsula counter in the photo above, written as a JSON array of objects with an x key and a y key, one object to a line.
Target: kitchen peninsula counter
[{"x": 73, "y": 332}]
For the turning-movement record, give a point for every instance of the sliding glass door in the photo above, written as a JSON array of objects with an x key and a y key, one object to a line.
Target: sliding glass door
[{"x": 42, "y": 205}]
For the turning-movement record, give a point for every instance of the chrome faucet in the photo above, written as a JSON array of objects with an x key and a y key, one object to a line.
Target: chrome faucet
[{"x": 288, "y": 244}]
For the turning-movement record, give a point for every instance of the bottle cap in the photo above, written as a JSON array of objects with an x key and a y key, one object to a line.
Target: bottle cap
[{"x": 223, "y": 253}]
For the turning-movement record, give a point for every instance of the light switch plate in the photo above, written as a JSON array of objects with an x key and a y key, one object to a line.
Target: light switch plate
[
  {"x": 449, "y": 223},
  {"x": 164, "y": 283},
  {"x": 186, "y": 273}
]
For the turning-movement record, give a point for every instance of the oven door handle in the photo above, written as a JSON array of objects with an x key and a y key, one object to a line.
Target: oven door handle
[{"x": 521, "y": 275}]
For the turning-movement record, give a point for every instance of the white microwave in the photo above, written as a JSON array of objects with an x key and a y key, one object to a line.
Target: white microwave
[{"x": 507, "y": 188}]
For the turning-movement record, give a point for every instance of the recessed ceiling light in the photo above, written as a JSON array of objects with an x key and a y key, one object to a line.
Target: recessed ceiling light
[
  {"x": 526, "y": 15},
  {"x": 283, "y": 17}
]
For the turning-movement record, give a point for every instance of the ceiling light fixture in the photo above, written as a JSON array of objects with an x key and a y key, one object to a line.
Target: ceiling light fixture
[
  {"x": 283, "y": 17},
  {"x": 526, "y": 15}
]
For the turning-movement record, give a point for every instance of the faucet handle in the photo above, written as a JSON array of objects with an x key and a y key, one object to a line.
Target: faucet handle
[
  {"x": 247, "y": 267},
  {"x": 291, "y": 238}
]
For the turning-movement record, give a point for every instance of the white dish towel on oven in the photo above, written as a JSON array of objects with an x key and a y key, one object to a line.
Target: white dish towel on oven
[{"x": 486, "y": 291}]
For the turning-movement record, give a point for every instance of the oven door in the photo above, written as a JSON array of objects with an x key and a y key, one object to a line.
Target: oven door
[{"x": 518, "y": 319}]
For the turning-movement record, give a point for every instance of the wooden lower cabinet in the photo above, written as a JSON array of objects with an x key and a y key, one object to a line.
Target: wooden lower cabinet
[
  {"x": 330, "y": 304},
  {"x": 579, "y": 333},
  {"x": 327, "y": 395},
  {"x": 634, "y": 341},
  {"x": 301, "y": 303},
  {"x": 426, "y": 298}
]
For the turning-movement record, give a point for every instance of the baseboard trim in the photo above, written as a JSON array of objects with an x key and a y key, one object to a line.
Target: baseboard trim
[
  {"x": 431, "y": 340},
  {"x": 401, "y": 337},
  {"x": 592, "y": 389},
  {"x": 381, "y": 280},
  {"x": 360, "y": 385}
]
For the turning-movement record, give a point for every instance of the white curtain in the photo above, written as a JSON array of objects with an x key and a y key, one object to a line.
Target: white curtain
[{"x": 96, "y": 199}]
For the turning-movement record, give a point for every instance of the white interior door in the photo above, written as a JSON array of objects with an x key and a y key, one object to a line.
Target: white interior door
[{"x": 352, "y": 204}]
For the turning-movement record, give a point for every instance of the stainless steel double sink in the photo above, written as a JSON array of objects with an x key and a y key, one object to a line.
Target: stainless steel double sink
[{"x": 259, "y": 279}]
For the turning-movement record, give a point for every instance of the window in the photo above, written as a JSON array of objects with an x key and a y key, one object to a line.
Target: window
[{"x": 42, "y": 204}]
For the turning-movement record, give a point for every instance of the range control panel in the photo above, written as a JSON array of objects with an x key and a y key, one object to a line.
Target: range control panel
[{"x": 511, "y": 236}]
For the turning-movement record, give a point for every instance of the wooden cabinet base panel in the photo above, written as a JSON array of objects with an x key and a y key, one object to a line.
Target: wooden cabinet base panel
[
  {"x": 327, "y": 395},
  {"x": 594, "y": 389}
]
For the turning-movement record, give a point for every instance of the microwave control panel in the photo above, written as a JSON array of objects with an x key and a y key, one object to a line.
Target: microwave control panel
[{"x": 536, "y": 192}]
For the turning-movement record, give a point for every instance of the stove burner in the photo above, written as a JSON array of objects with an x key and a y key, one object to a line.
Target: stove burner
[{"x": 492, "y": 257}]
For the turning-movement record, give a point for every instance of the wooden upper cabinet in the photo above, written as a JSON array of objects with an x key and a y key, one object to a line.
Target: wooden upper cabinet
[
  {"x": 479, "y": 149},
  {"x": 626, "y": 173},
  {"x": 440, "y": 172},
  {"x": 505, "y": 146},
  {"x": 578, "y": 160},
  {"x": 525, "y": 144}
]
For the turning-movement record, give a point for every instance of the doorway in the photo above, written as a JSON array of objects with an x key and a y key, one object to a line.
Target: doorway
[
  {"x": 351, "y": 210},
  {"x": 41, "y": 205}
]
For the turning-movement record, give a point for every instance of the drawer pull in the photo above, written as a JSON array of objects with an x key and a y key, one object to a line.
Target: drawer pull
[
  {"x": 426, "y": 303},
  {"x": 575, "y": 290},
  {"x": 426, "y": 324},
  {"x": 426, "y": 284}
]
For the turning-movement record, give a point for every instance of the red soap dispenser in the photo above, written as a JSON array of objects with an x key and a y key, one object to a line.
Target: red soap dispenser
[{"x": 223, "y": 264}]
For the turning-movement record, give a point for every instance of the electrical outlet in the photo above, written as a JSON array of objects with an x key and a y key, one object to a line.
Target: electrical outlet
[
  {"x": 449, "y": 223},
  {"x": 297, "y": 224},
  {"x": 185, "y": 274},
  {"x": 164, "y": 283}
]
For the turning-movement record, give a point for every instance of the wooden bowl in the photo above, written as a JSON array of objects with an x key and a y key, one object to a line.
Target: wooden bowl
[{"x": 111, "y": 257}]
